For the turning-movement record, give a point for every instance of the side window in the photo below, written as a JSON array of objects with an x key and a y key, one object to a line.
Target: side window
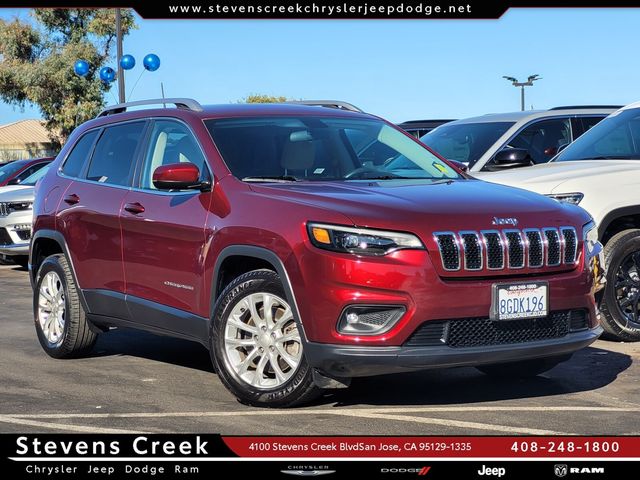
[
  {"x": 543, "y": 138},
  {"x": 171, "y": 142},
  {"x": 113, "y": 160},
  {"x": 589, "y": 122},
  {"x": 75, "y": 161}
]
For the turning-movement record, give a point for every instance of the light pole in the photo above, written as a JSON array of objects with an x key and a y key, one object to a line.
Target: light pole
[
  {"x": 528, "y": 83},
  {"x": 121, "y": 96}
]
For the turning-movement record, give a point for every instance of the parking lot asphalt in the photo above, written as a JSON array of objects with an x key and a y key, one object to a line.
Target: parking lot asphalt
[{"x": 138, "y": 382}]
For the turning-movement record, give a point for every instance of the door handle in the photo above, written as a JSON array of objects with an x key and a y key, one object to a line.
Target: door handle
[
  {"x": 134, "y": 208},
  {"x": 72, "y": 199}
]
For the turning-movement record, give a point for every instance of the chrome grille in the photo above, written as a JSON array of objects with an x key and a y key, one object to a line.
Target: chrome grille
[
  {"x": 508, "y": 249},
  {"x": 553, "y": 246},
  {"x": 515, "y": 248},
  {"x": 570, "y": 239},
  {"x": 4, "y": 209}
]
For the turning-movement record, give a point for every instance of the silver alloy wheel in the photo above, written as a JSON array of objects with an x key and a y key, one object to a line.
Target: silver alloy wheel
[
  {"x": 51, "y": 308},
  {"x": 261, "y": 341}
]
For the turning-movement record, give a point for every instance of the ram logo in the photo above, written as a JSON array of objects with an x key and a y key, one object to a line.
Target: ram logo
[{"x": 560, "y": 470}]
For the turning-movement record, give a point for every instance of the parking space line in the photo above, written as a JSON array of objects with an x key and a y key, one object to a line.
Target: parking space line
[
  {"x": 60, "y": 426},
  {"x": 461, "y": 424},
  {"x": 346, "y": 411}
]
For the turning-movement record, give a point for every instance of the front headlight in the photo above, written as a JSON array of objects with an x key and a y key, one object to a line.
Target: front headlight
[
  {"x": 574, "y": 198},
  {"x": 360, "y": 241},
  {"x": 20, "y": 206}
]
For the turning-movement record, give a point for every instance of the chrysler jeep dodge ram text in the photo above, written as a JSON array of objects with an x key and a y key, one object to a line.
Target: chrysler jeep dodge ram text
[{"x": 266, "y": 233}]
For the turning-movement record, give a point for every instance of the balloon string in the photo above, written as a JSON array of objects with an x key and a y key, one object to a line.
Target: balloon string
[{"x": 136, "y": 84}]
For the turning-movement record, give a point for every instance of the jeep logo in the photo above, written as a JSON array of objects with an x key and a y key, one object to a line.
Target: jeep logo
[{"x": 505, "y": 221}]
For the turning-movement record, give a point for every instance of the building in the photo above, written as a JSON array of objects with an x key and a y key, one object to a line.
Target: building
[{"x": 24, "y": 139}]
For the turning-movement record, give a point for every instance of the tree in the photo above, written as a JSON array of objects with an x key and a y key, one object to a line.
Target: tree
[
  {"x": 258, "y": 98},
  {"x": 36, "y": 63}
]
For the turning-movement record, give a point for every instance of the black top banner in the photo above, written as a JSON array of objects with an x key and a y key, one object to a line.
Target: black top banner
[{"x": 321, "y": 9}]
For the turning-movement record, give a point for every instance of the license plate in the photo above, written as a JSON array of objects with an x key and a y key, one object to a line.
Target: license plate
[{"x": 520, "y": 300}]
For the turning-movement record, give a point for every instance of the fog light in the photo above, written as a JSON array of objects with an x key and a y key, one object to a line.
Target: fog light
[{"x": 369, "y": 319}]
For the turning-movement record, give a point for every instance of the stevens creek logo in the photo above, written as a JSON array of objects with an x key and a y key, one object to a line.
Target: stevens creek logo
[{"x": 307, "y": 470}]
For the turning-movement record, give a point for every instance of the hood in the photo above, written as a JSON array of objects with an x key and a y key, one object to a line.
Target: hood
[
  {"x": 551, "y": 177},
  {"x": 424, "y": 207},
  {"x": 17, "y": 193}
]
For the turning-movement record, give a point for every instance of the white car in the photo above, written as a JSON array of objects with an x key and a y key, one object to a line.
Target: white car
[
  {"x": 600, "y": 171},
  {"x": 499, "y": 141},
  {"x": 16, "y": 218}
]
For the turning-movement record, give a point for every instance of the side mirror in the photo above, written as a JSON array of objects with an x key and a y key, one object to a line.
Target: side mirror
[
  {"x": 459, "y": 165},
  {"x": 512, "y": 158},
  {"x": 178, "y": 176},
  {"x": 14, "y": 181}
]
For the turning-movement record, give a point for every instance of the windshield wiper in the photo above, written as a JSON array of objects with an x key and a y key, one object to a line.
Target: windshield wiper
[{"x": 275, "y": 178}]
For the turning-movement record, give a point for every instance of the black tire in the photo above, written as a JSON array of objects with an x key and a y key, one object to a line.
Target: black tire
[
  {"x": 76, "y": 339},
  {"x": 299, "y": 388},
  {"x": 614, "y": 322},
  {"x": 524, "y": 368},
  {"x": 22, "y": 260}
]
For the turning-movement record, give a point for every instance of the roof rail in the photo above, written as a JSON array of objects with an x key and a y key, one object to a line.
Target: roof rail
[
  {"x": 182, "y": 103},
  {"x": 584, "y": 107},
  {"x": 328, "y": 103}
]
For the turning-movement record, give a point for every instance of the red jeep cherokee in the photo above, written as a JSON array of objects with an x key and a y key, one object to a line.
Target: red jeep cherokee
[{"x": 303, "y": 246}]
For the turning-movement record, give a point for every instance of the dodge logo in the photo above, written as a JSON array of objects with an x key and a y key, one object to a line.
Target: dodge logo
[{"x": 560, "y": 470}]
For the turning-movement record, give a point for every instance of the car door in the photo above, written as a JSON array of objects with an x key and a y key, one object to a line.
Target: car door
[
  {"x": 89, "y": 212},
  {"x": 163, "y": 232}
]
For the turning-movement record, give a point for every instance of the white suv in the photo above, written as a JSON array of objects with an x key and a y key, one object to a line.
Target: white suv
[
  {"x": 601, "y": 172},
  {"x": 16, "y": 217},
  {"x": 499, "y": 141}
]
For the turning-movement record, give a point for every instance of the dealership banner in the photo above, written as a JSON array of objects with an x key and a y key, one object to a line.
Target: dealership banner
[
  {"x": 206, "y": 456},
  {"x": 321, "y": 9}
]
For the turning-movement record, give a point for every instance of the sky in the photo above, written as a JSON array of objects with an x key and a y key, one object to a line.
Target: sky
[{"x": 398, "y": 69}]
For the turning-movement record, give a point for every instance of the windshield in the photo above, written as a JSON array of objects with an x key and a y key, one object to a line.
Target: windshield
[
  {"x": 322, "y": 149},
  {"x": 7, "y": 171},
  {"x": 617, "y": 137},
  {"x": 34, "y": 177},
  {"x": 465, "y": 142}
]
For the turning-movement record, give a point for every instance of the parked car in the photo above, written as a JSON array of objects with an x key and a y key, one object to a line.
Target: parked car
[
  {"x": 257, "y": 231},
  {"x": 419, "y": 128},
  {"x": 16, "y": 216},
  {"x": 16, "y": 172},
  {"x": 506, "y": 140},
  {"x": 601, "y": 172}
]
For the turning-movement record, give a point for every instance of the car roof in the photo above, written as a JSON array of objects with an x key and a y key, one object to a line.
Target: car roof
[{"x": 532, "y": 114}]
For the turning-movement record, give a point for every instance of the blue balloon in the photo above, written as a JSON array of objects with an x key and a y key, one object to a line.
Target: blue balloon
[
  {"x": 81, "y": 67},
  {"x": 127, "y": 62},
  {"x": 107, "y": 74},
  {"x": 151, "y": 62}
]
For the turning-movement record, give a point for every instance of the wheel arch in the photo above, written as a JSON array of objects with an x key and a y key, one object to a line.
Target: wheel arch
[
  {"x": 44, "y": 244},
  {"x": 257, "y": 257},
  {"x": 617, "y": 220}
]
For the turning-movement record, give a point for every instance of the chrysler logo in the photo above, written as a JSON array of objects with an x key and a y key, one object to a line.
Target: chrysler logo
[
  {"x": 505, "y": 221},
  {"x": 307, "y": 473}
]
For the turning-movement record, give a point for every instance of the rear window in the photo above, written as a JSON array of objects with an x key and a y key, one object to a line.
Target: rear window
[
  {"x": 81, "y": 151},
  {"x": 9, "y": 170},
  {"x": 114, "y": 156}
]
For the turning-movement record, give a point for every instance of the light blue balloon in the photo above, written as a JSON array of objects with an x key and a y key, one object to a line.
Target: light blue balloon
[
  {"x": 81, "y": 67},
  {"x": 151, "y": 62},
  {"x": 107, "y": 74},
  {"x": 127, "y": 62}
]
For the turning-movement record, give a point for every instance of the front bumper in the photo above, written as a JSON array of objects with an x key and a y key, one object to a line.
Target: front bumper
[
  {"x": 15, "y": 249},
  {"x": 346, "y": 361}
]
